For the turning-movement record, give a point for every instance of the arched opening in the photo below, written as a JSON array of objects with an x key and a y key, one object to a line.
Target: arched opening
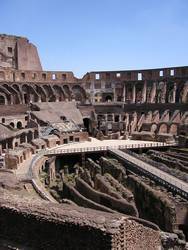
[
  {"x": 23, "y": 138},
  {"x": 2, "y": 100},
  {"x": 79, "y": 93},
  {"x": 36, "y": 134},
  {"x": 29, "y": 137},
  {"x": 19, "y": 125},
  {"x": 26, "y": 99},
  {"x": 87, "y": 124},
  {"x": 108, "y": 98},
  {"x": 116, "y": 118},
  {"x": 12, "y": 124},
  {"x": 163, "y": 128},
  {"x": 16, "y": 144},
  {"x": 173, "y": 129}
]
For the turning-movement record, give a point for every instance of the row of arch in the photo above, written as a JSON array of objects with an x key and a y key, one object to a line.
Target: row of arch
[
  {"x": 165, "y": 128},
  {"x": 26, "y": 93}
]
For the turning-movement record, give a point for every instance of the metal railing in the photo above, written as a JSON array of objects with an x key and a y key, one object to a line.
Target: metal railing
[
  {"x": 173, "y": 181},
  {"x": 104, "y": 148}
]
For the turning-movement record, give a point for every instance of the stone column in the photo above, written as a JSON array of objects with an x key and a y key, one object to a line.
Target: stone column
[
  {"x": 174, "y": 93},
  {"x": 133, "y": 93},
  {"x": 124, "y": 93},
  {"x": 144, "y": 92},
  {"x": 115, "y": 97},
  {"x": 153, "y": 96}
]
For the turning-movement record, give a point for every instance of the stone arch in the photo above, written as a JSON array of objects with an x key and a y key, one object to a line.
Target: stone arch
[
  {"x": 184, "y": 96},
  {"x": 138, "y": 92},
  {"x": 4, "y": 91},
  {"x": 50, "y": 93},
  {"x": 161, "y": 92},
  {"x": 108, "y": 98},
  {"x": 29, "y": 94},
  {"x": 154, "y": 127},
  {"x": 3, "y": 99},
  {"x": 67, "y": 91},
  {"x": 59, "y": 92},
  {"x": 12, "y": 124},
  {"x": 41, "y": 91},
  {"x": 163, "y": 128},
  {"x": 79, "y": 93},
  {"x": 15, "y": 94},
  {"x": 169, "y": 91},
  {"x": 173, "y": 129},
  {"x": 179, "y": 91},
  {"x": 19, "y": 125}
]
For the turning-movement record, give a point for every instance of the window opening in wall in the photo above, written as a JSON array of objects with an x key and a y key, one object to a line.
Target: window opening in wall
[
  {"x": 64, "y": 77},
  {"x": 116, "y": 118},
  {"x": 23, "y": 75},
  {"x": 12, "y": 124},
  {"x": 19, "y": 125},
  {"x": 77, "y": 139},
  {"x": 161, "y": 73},
  {"x": 33, "y": 75},
  {"x": 9, "y": 50},
  {"x": 65, "y": 141},
  {"x": 3, "y": 120},
  {"x": 139, "y": 76},
  {"x": 53, "y": 76},
  {"x": 118, "y": 75},
  {"x": 71, "y": 138},
  {"x": 172, "y": 72},
  {"x": 2, "y": 100},
  {"x": 44, "y": 76},
  {"x": 97, "y": 76}
]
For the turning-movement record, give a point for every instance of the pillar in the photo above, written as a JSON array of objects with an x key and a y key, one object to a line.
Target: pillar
[
  {"x": 144, "y": 92},
  {"x": 124, "y": 93},
  {"x": 153, "y": 93},
  {"x": 133, "y": 93},
  {"x": 174, "y": 93},
  {"x": 83, "y": 159}
]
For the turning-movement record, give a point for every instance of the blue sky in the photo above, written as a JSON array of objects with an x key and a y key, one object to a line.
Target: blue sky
[{"x": 92, "y": 35}]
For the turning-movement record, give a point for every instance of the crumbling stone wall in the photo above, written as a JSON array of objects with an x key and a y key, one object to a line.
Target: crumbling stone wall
[
  {"x": 43, "y": 225},
  {"x": 152, "y": 204},
  {"x": 120, "y": 205}
]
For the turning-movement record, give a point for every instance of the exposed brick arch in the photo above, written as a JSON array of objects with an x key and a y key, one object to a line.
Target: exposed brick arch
[
  {"x": 79, "y": 93},
  {"x": 173, "y": 129},
  {"x": 59, "y": 92},
  {"x": 29, "y": 94},
  {"x": 163, "y": 128},
  {"x": 15, "y": 94}
]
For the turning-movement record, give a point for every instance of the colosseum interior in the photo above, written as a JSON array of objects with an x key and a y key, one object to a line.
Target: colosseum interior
[{"x": 99, "y": 162}]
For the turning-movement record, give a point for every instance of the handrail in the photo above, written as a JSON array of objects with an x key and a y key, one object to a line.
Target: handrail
[
  {"x": 183, "y": 186},
  {"x": 104, "y": 148}
]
